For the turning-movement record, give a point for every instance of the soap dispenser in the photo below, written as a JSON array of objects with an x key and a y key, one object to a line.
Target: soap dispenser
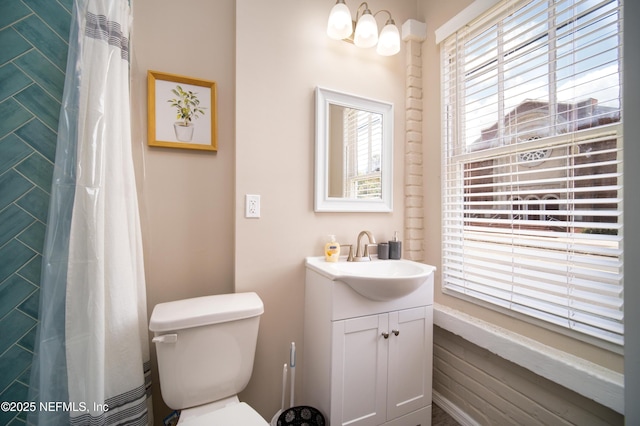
[
  {"x": 395, "y": 247},
  {"x": 332, "y": 250}
]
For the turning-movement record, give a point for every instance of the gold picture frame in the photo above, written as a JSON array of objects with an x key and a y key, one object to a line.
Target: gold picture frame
[{"x": 182, "y": 112}]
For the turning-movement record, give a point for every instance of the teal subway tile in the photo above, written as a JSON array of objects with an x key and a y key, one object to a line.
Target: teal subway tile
[
  {"x": 19, "y": 420},
  {"x": 40, "y": 137},
  {"x": 12, "y": 364},
  {"x": 13, "y": 80},
  {"x": 39, "y": 170},
  {"x": 33, "y": 236},
  {"x": 31, "y": 306},
  {"x": 43, "y": 72},
  {"x": 13, "y": 292},
  {"x": 13, "y": 116},
  {"x": 12, "y": 187},
  {"x": 34, "y": 30},
  {"x": 12, "y": 151},
  {"x": 37, "y": 50},
  {"x": 54, "y": 14},
  {"x": 41, "y": 104},
  {"x": 14, "y": 255},
  {"x": 67, "y": 4},
  {"x": 36, "y": 202},
  {"x": 32, "y": 270},
  {"x": 10, "y": 418},
  {"x": 16, "y": 392},
  {"x": 12, "y": 45},
  {"x": 12, "y": 11},
  {"x": 13, "y": 327},
  {"x": 28, "y": 340},
  {"x": 13, "y": 220},
  {"x": 25, "y": 378}
]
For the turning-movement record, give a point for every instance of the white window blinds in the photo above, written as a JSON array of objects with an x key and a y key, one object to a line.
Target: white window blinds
[
  {"x": 532, "y": 152},
  {"x": 363, "y": 152}
]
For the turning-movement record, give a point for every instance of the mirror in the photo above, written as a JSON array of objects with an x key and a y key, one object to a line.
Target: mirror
[{"x": 354, "y": 153}]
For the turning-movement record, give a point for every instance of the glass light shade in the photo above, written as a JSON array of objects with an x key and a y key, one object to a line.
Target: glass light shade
[
  {"x": 339, "y": 25},
  {"x": 389, "y": 43},
  {"x": 366, "y": 31}
]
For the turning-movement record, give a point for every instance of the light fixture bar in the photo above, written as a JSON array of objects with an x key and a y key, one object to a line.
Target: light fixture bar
[{"x": 340, "y": 26}]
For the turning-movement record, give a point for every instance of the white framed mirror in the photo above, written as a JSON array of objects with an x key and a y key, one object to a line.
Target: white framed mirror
[{"x": 354, "y": 153}]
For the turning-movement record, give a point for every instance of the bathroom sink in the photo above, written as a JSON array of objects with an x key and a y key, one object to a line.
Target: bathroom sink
[{"x": 378, "y": 279}]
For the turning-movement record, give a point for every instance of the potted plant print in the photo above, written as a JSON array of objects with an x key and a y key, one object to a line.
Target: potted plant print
[{"x": 188, "y": 107}]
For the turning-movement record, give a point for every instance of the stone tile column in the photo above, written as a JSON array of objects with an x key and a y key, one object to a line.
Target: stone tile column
[{"x": 413, "y": 34}]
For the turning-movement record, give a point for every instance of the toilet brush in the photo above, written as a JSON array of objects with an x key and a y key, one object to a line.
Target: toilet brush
[
  {"x": 274, "y": 420},
  {"x": 300, "y": 415},
  {"x": 292, "y": 363}
]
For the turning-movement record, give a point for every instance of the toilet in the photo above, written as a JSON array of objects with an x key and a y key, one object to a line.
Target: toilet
[{"x": 205, "y": 348}]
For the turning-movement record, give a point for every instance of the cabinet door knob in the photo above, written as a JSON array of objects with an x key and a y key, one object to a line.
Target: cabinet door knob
[
  {"x": 395, "y": 332},
  {"x": 385, "y": 335}
]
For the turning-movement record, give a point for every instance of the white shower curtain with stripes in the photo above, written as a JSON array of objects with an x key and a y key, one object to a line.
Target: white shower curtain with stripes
[{"x": 106, "y": 353}]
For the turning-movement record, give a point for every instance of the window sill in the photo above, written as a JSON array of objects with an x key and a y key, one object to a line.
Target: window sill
[{"x": 583, "y": 377}]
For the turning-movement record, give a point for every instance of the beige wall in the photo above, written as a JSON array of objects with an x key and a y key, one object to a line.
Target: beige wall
[
  {"x": 267, "y": 58},
  {"x": 282, "y": 54},
  {"x": 187, "y": 197}
]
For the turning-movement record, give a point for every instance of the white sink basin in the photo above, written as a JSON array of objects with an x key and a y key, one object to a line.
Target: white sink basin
[{"x": 378, "y": 279}]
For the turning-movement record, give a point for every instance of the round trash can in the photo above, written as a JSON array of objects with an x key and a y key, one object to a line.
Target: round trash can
[{"x": 301, "y": 416}]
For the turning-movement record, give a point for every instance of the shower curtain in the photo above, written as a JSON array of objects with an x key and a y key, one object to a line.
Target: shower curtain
[{"x": 91, "y": 364}]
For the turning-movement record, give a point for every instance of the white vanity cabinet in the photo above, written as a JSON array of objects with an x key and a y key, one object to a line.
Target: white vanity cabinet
[
  {"x": 381, "y": 366},
  {"x": 367, "y": 362}
]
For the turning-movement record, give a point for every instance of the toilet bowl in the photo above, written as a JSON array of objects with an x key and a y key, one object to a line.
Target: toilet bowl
[
  {"x": 205, "y": 348},
  {"x": 235, "y": 413}
]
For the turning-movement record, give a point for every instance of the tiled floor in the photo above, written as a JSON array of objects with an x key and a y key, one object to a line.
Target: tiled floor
[{"x": 440, "y": 418}]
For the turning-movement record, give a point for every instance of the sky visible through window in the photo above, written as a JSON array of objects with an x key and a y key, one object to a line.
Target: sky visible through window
[{"x": 580, "y": 41}]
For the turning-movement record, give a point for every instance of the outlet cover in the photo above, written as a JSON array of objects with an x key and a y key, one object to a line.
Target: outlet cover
[{"x": 251, "y": 206}]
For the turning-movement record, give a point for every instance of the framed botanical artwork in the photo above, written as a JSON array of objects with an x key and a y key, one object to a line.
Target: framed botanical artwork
[{"x": 181, "y": 112}]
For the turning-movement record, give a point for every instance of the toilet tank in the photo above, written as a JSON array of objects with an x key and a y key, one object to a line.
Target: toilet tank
[{"x": 205, "y": 347}]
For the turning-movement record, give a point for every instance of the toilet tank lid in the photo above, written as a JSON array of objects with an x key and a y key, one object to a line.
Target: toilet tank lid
[{"x": 206, "y": 310}]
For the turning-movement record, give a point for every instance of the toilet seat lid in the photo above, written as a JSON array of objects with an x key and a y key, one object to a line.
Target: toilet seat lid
[{"x": 240, "y": 414}]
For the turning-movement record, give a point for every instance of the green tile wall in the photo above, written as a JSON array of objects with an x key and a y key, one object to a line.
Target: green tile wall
[{"x": 33, "y": 54}]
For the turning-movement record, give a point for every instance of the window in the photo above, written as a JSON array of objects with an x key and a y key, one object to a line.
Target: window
[
  {"x": 532, "y": 152},
  {"x": 363, "y": 150}
]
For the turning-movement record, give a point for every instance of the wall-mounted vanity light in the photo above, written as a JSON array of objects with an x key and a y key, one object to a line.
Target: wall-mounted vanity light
[{"x": 340, "y": 27}]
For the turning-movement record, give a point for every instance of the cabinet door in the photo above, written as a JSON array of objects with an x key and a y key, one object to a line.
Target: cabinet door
[
  {"x": 410, "y": 360},
  {"x": 359, "y": 371}
]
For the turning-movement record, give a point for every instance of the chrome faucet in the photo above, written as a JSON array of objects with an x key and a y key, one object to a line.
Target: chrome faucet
[{"x": 363, "y": 256}]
